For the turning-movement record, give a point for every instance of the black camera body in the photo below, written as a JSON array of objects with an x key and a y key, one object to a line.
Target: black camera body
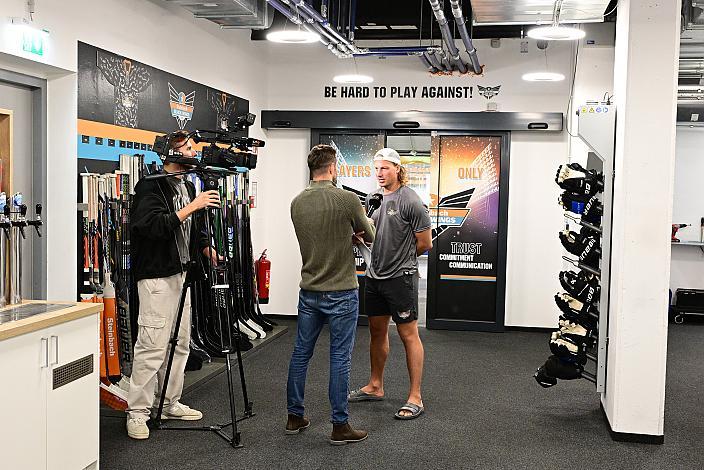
[
  {"x": 238, "y": 154},
  {"x": 227, "y": 158}
]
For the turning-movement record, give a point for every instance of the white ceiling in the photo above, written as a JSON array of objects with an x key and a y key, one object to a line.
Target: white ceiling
[{"x": 502, "y": 12}]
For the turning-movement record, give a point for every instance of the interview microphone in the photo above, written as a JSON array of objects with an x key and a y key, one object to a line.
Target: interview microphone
[{"x": 374, "y": 203}]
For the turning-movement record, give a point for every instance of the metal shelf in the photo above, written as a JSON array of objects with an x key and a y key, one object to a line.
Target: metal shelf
[{"x": 686, "y": 243}]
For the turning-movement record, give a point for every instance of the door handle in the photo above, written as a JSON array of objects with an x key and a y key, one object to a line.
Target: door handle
[
  {"x": 56, "y": 349},
  {"x": 45, "y": 352}
]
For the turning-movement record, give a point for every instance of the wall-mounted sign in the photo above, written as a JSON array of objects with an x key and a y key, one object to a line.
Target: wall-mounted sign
[
  {"x": 33, "y": 41},
  {"x": 399, "y": 92}
]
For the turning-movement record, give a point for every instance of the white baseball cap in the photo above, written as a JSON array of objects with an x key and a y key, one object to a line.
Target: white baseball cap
[{"x": 390, "y": 155}]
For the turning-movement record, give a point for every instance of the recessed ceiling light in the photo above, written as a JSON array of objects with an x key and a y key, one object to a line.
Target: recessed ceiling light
[
  {"x": 210, "y": 5},
  {"x": 556, "y": 33},
  {"x": 353, "y": 78},
  {"x": 403, "y": 26},
  {"x": 543, "y": 77},
  {"x": 373, "y": 26},
  {"x": 294, "y": 36}
]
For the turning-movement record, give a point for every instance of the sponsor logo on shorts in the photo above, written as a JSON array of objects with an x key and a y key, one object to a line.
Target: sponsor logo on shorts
[{"x": 404, "y": 315}]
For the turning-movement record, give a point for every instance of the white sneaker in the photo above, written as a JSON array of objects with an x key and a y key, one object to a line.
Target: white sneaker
[
  {"x": 180, "y": 411},
  {"x": 137, "y": 428}
]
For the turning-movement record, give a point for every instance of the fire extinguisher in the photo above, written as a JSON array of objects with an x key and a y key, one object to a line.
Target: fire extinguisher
[{"x": 263, "y": 268}]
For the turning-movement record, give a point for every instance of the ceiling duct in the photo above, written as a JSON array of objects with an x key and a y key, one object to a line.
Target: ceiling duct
[
  {"x": 690, "y": 90},
  {"x": 509, "y": 12},
  {"x": 230, "y": 14}
]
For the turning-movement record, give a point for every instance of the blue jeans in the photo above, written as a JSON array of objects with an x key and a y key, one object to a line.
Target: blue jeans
[{"x": 340, "y": 309}]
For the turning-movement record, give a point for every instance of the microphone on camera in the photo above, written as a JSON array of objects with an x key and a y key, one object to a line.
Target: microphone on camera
[{"x": 374, "y": 203}]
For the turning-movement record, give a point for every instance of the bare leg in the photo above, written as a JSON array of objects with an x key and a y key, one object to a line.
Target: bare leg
[
  {"x": 414, "y": 360},
  {"x": 378, "y": 352}
]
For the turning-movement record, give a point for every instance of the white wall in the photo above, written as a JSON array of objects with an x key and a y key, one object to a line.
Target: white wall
[
  {"x": 687, "y": 266},
  {"x": 290, "y": 77},
  {"x": 297, "y": 81},
  {"x": 159, "y": 35}
]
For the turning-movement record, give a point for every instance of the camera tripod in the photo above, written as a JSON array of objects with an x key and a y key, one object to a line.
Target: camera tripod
[{"x": 222, "y": 288}]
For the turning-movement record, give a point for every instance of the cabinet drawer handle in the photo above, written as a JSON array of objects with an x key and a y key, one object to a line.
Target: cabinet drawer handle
[
  {"x": 45, "y": 352},
  {"x": 56, "y": 349}
]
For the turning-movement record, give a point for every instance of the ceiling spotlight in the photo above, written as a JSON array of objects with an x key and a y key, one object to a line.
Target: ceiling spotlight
[
  {"x": 556, "y": 33},
  {"x": 543, "y": 77},
  {"x": 353, "y": 78},
  {"x": 295, "y": 36}
]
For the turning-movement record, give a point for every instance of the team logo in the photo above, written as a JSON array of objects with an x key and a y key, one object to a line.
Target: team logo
[
  {"x": 488, "y": 92},
  {"x": 181, "y": 106},
  {"x": 452, "y": 211}
]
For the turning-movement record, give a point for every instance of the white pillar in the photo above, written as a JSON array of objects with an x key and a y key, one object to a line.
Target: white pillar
[{"x": 645, "y": 84}]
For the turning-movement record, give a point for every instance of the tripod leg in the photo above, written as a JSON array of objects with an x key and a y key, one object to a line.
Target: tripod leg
[
  {"x": 233, "y": 414},
  {"x": 172, "y": 350}
]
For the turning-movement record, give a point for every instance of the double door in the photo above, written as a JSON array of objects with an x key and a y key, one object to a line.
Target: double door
[{"x": 463, "y": 180}]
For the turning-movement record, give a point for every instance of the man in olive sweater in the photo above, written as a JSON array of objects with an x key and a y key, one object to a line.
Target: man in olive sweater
[{"x": 325, "y": 219}]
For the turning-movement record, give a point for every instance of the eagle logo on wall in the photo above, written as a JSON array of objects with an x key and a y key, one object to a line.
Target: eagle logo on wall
[{"x": 488, "y": 92}]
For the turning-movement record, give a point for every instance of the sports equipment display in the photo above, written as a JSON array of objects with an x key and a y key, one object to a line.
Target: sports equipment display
[{"x": 579, "y": 306}]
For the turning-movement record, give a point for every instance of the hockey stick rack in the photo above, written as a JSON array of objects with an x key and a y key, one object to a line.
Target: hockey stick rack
[{"x": 222, "y": 282}]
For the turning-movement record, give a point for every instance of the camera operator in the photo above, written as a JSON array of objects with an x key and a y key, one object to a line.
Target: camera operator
[{"x": 164, "y": 239}]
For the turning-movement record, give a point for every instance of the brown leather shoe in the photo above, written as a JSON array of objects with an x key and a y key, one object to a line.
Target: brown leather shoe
[
  {"x": 296, "y": 424},
  {"x": 344, "y": 434}
]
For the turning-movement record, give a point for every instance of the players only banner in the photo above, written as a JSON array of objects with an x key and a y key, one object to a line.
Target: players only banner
[
  {"x": 465, "y": 214},
  {"x": 123, "y": 104}
]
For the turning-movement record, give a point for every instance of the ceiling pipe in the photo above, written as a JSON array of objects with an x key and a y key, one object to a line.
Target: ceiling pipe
[
  {"x": 311, "y": 13},
  {"x": 353, "y": 19},
  {"x": 447, "y": 35},
  {"x": 464, "y": 34},
  {"x": 426, "y": 61},
  {"x": 290, "y": 8},
  {"x": 324, "y": 39},
  {"x": 434, "y": 61},
  {"x": 401, "y": 50}
]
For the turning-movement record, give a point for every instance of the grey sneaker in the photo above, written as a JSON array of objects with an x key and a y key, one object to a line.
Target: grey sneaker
[
  {"x": 180, "y": 411},
  {"x": 137, "y": 428}
]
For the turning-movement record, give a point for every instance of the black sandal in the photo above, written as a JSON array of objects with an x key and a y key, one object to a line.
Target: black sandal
[{"x": 416, "y": 410}]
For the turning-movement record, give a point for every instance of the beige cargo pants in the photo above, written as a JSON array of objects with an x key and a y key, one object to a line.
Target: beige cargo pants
[{"x": 158, "y": 306}]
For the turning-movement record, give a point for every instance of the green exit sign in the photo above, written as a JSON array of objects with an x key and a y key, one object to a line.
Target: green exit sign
[{"x": 33, "y": 41}]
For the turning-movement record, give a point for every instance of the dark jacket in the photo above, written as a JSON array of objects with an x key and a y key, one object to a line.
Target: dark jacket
[{"x": 154, "y": 222}]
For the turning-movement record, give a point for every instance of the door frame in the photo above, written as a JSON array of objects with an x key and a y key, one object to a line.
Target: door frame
[
  {"x": 38, "y": 88},
  {"x": 504, "y": 172}
]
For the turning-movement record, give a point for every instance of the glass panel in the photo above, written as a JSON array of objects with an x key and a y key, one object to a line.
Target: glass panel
[
  {"x": 415, "y": 157},
  {"x": 465, "y": 214}
]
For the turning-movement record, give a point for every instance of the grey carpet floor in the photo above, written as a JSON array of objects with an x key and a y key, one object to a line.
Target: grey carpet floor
[{"x": 484, "y": 410}]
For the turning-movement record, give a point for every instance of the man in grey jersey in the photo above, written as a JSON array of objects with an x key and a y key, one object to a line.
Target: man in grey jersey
[{"x": 403, "y": 233}]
